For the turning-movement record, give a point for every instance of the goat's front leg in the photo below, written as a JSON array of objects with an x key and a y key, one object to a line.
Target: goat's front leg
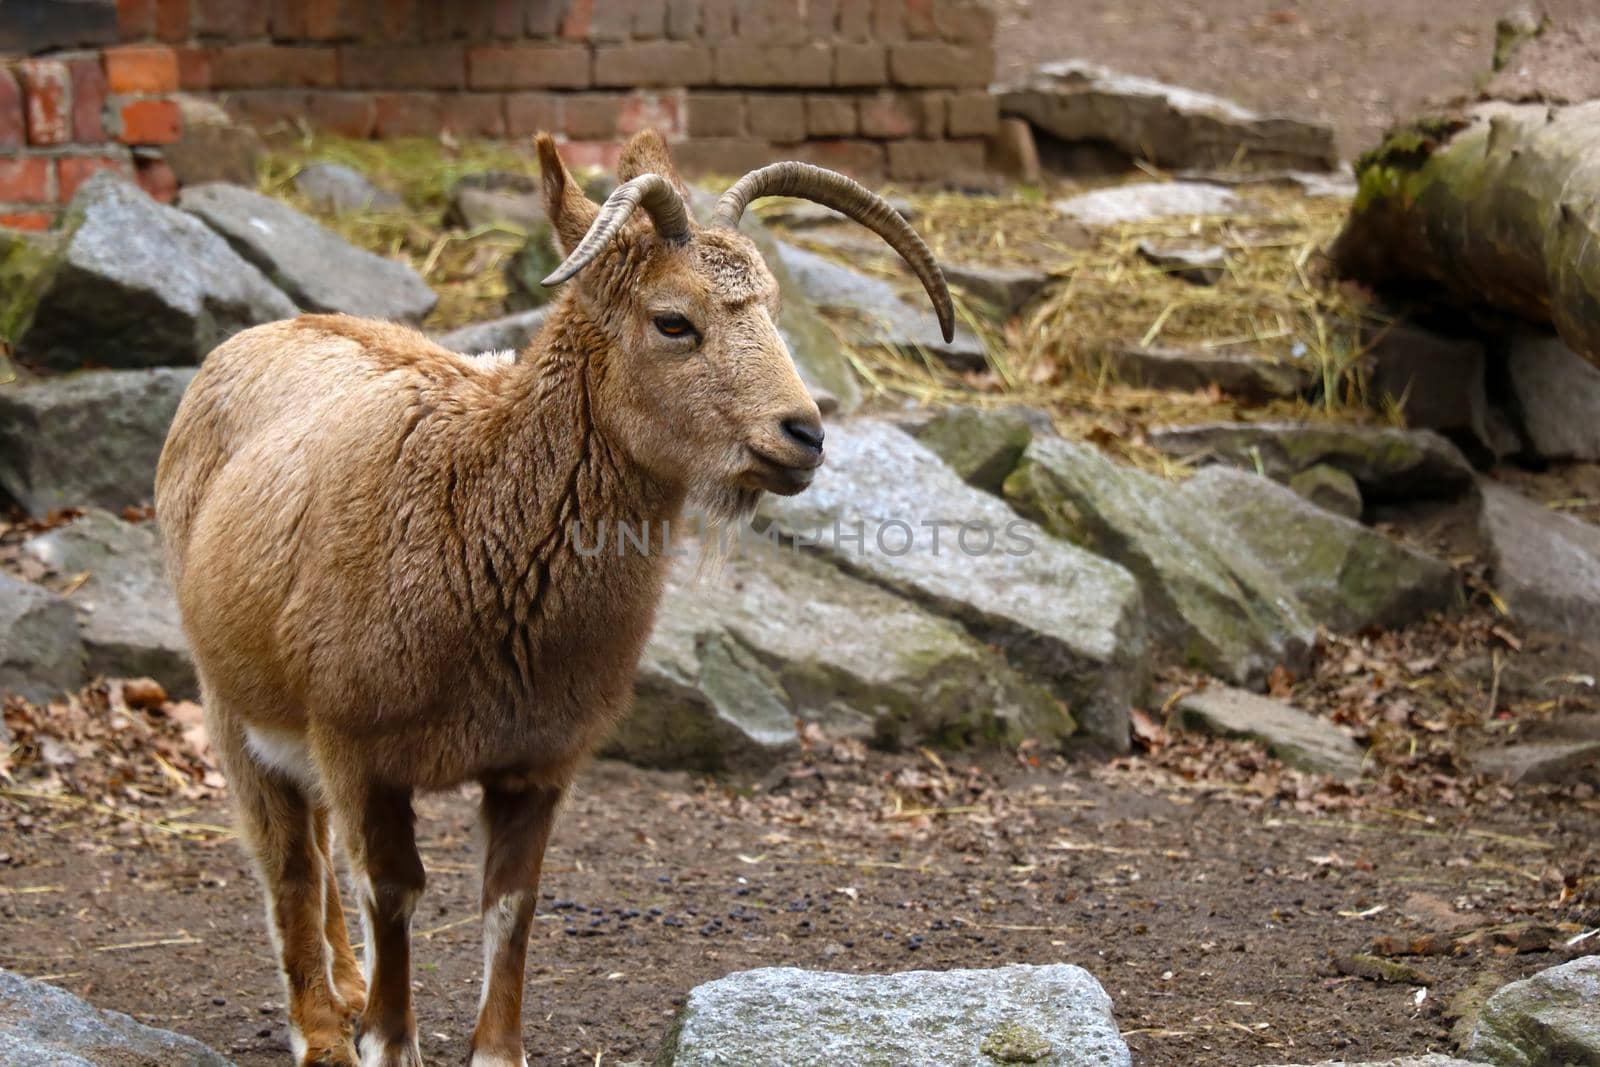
[
  {"x": 516, "y": 818},
  {"x": 377, "y": 825}
]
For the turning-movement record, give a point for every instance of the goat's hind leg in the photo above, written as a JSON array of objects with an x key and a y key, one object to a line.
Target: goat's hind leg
[
  {"x": 348, "y": 982},
  {"x": 277, "y": 822}
]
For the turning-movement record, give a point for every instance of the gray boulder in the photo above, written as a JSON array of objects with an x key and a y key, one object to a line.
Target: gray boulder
[
  {"x": 1299, "y": 739},
  {"x": 42, "y": 1026},
  {"x": 474, "y": 205},
  {"x": 727, "y": 672},
  {"x": 27, "y": 265},
  {"x": 88, "y": 438},
  {"x": 885, "y": 508},
  {"x": 341, "y": 190},
  {"x": 1551, "y": 760},
  {"x": 1346, "y": 576},
  {"x": 139, "y": 284},
  {"x": 874, "y": 313},
  {"x": 1556, "y": 392},
  {"x": 1549, "y": 1019},
  {"x": 1247, "y": 376},
  {"x": 1208, "y": 600},
  {"x": 1431, "y": 1060},
  {"x": 317, "y": 268},
  {"x": 1436, "y": 381},
  {"x": 1146, "y": 201},
  {"x": 1545, "y": 565},
  {"x": 1055, "y": 1015},
  {"x": 1330, "y": 489},
  {"x": 1003, "y": 290},
  {"x": 1388, "y": 463},
  {"x": 983, "y": 447},
  {"x": 41, "y": 654},
  {"x": 1196, "y": 264},
  {"x": 126, "y": 611},
  {"x": 529, "y": 266},
  {"x": 1170, "y": 126},
  {"x": 510, "y": 333}
]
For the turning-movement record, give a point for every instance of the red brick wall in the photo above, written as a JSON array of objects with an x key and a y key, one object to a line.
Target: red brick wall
[
  {"x": 894, "y": 87},
  {"x": 65, "y": 115}
]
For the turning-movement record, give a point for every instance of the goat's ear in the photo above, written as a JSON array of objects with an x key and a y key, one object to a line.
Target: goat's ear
[
  {"x": 570, "y": 212},
  {"x": 646, "y": 153}
]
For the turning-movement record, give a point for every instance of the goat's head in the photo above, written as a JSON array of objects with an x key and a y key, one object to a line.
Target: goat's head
[{"x": 704, "y": 390}]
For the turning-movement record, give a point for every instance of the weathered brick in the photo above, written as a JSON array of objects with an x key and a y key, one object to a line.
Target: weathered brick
[
  {"x": 592, "y": 155},
  {"x": 773, "y": 22},
  {"x": 822, "y": 19},
  {"x": 409, "y": 67},
  {"x": 777, "y": 117},
  {"x": 933, "y": 64},
  {"x": 888, "y": 19},
  {"x": 330, "y": 20},
  {"x": 860, "y": 64},
  {"x": 683, "y": 19},
  {"x": 930, "y": 114},
  {"x": 863, "y": 160},
  {"x": 473, "y": 114},
  {"x": 718, "y": 19},
  {"x": 88, "y": 98},
  {"x": 726, "y": 157},
  {"x": 267, "y": 107},
  {"x": 395, "y": 21},
  {"x": 194, "y": 67},
  {"x": 591, "y": 116},
  {"x": 972, "y": 114},
  {"x": 406, "y": 114},
  {"x": 172, "y": 20},
  {"x": 230, "y": 19},
  {"x": 141, "y": 68},
  {"x": 943, "y": 161},
  {"x": 13, "y": 121},
  {"x": 148, "y": 122},
  {"x": 919, "y": 22},
  {"x": 797, "y": 67},
  {"x": 136, "y": 19},
  {"x": 47, "y": 94},
  {"x": 854, "y": 20},
  {"x": 266, "y": 66},
  {"x": 652, "y": 64},
  {"x": 531, "y": 113},
  {"x": 610, "y": 20},
  {"x": 715, "y": 115},
  {"x": 508, "y": 19},
  {"x": 649, "y": 19},
  {"x": 575, "y": 23},
  {"x": 1012, "y": 152},
  {"x": 26, "y": 220},
  {"x": 347, "y": 114},
  {"x": 26, "y": 179},
  {"x": 887, "y": 114},
  {"x": 156, "y": 178},
  {"x": 528, "y": 66},
  {"x": 662, "y": 112},
  {"x": 73, "y": 171},
  {"x": 544, "y": 17},
  {"x": 831, "y": 116},
  {"x": 964, "y": 21}
]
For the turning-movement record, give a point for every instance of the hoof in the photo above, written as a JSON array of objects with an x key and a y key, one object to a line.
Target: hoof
[{"x": 340, "y": 1055}]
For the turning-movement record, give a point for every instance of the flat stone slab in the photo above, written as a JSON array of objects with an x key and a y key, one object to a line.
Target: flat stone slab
[
  {"x": 319, "y": 270},
  {"x": 983, "y": 447},
  {"x": 1190, "y": 370},
  {"x": 1546, "y": 565},
  {"x": 1169, "y": 125},
  {"x": 342, "y": 189},
  {"x": 1549, "y": 1019},
  {"x": 1063, "y": 616},
  {"x": 1300, "y": 740},
  {"x": 1536, "y": 762},
  {"x": 1053, "y": 1016},
  {"x": 1386, "y": 461},
  {"x": 41, "y": 654},
  {"x": 1432, "y": 1060},
  {"x": 126, "y": 611},
  {"x": 42, "y": 1026},
  {"x": 1558, "y": 393},
  {"x": 1005, "y": 289},
  {"x": 509, "y": 333},
  {"x": 1146, "y": 201},
  {"x": 90, "y": 438}
]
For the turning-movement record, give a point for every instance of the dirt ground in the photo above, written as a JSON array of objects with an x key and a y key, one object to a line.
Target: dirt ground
[{"x": 1358, "y": 64}]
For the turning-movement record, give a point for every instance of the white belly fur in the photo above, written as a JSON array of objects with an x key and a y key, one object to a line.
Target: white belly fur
[{"x": 283, "y": 751}]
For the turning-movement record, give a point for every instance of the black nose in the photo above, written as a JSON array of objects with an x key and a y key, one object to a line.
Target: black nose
[{"x": 804, "y": 432}]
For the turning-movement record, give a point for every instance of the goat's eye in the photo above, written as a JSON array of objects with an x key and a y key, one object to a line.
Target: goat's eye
[{"x": 674, "y": 326}]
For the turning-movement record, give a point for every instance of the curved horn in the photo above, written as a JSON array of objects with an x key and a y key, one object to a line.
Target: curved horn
[
  {"x": 652, "y": 192},
  {"x": 834, "y": 190}
]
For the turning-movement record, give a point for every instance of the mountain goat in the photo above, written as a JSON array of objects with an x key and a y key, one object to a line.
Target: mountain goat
[{"x": 370, "y": 540}]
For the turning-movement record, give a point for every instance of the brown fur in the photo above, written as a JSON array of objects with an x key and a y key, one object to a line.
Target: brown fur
[{"x": 370, "y": 539}]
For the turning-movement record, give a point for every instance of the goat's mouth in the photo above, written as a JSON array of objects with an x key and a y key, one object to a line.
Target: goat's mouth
[{"x": 775, "y": 476}]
